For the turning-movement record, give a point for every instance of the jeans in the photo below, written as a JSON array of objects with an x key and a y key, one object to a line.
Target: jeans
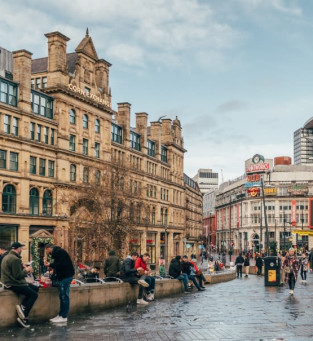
[
  {"x": 151, "y": 281},
  {"x": 303, "y": 274},
  {"x": 30, "y": 297},
  {"x": 193, "y": 278},
  {"x": 64, "y": 295},
  {"x": 291, "y": 281},
  {"x": 259, "y": 270},
  {"x": 134, "y": 280},
  {"x": 239, "y": 270},
  {"x": 184, "y": 278},
  {"x": 201, "y": 279}
]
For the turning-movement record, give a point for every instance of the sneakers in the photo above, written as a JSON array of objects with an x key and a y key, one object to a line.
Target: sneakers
[
  {"x": 201, "y": 289},
  {"x": 186, "y": 292},
  {"x": 20, "y": 311},
  {"x": 23, "y": 322},
  {"x": 59, "y": 319},
  {"x": 143, "y": 283},
  {"x": 150, "y": 297},
  {"x": 291, "y": 292},
  {"x": 55, "y": 318},
  {"x": 142, "y": 301}
]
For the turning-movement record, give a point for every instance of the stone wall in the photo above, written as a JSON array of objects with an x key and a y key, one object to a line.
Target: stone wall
[{"x": 219, "y": 277}]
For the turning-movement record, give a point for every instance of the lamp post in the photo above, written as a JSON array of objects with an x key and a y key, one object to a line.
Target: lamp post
[
  {"x": 265, "y": 217},
  {"x": 165, "y": 248},
  {"x": 284, "y": 231},
  {"x": 302, "y": 218}
]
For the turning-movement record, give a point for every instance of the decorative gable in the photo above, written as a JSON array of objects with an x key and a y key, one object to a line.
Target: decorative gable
[{"x": 87, "y": 47}]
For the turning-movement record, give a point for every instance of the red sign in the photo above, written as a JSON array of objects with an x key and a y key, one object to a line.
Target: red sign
[
  {"x": 254, "y": 191},
  {"x": 237, "y": 215},
  {"x": 253, "y": 178},
  {"x": 293, "y": 212},
  {"x": 258, "y": 168}
]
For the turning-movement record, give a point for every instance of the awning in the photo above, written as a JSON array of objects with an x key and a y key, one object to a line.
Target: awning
[{"x": 302, "y": 233}]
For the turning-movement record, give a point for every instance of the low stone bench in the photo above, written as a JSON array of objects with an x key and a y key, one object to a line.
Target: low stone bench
[
  {"x": 83, "y": 298},
  {"x": 220, "y": 276}
]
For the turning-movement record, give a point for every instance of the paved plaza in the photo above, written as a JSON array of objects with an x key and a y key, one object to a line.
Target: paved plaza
[{"x": 242, "y": 309}]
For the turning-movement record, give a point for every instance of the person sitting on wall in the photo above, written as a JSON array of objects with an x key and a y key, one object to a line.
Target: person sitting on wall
[
  {"x": 13, "y": 274},
  {"x": 132, "y": 275},
  {"x": 93, "y": 275},
  {"x": 175, "y": 271},
  {"x": 112, "y": 265},
  {"x": 198, "y": 272},
  {"x": 141, "y": 262},
  {"x": 186, "y": 268},
  {"x": 217, "y": 265}
]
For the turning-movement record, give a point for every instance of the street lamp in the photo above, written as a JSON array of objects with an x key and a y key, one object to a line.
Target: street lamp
[
  {"x": 265, "y": 217},
  {"x": 165, "y": 248}
]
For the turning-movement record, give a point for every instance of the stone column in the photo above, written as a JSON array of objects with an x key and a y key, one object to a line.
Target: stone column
[
  {"x": 157, "y": 249},
  {"x": 23, "y": 238},
  {"x": 170, "y": 247}
]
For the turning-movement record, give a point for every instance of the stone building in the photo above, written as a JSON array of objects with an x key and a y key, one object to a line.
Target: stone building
[
  {"x": 288, "y": 192},
  {"x": 59, "y": 132}
]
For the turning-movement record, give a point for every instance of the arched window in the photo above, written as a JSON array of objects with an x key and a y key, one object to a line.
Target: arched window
[
  {"x": 85, "y": 121},
  {"x": 72, "y": 173},
  {"x": 34, "y": 201},
  {"x": 47, "y": 203},
  {"x": 165, "y": 216},
  {"x": 9, "y": 199},
  {"x": 85, "y": 175},
  {"x": 97, "y": 126},
  {"x": 72, "y": 116}
]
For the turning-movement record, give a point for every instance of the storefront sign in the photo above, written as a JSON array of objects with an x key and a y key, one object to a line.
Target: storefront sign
[
  {"x": 253, "y": 192},
  {"x": 270, "y": 191},
  {"x": 298, "y": 190},
  {"x": 252, "y": 184},
  {"x": 237, "y": 215},
  {"x": 258, "y": 165},
  {"x": 87, "y": 94}
]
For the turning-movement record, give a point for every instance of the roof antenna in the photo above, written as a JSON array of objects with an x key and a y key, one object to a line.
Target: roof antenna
[{"x": 87, "y": 32}]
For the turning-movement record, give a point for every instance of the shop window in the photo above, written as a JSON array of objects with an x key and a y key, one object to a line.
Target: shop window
[{"x": 8, "y": 235}]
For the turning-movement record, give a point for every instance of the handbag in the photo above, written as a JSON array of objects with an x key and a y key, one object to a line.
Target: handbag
[{"x": 199, "y": 272}]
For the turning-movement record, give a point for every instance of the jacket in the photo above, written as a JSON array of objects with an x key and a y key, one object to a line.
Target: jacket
[
  {"x": 175, "y": 268},
  {"x": 246, "y": 262},
  {"x": 186, "y": 267},
  {"x": 259, "y": 262},
  {"x": 128, "y": 268},
  {"x": 140, "y": 264},
  {"x": 1, "y": 259},
  {"x": 62, "y": 265},
  {"x": 12, "y": 272},
  {"x": 304, "y": 263},
  {"x": 112, "y": 265},
  {"x": 291, "y": 264},
  {"x": 239, "y": 261}
]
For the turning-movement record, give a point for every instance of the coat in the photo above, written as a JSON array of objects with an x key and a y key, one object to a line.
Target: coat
[
  {"x": 62, "y": 264},
  {"x": 175, "y": 268},
  {"x": 112, "y": 265},
  {"x": 12, "y": 272},
  {"x": 141, "y": 264},
  {"x": 304, "y": 263},
  {"x": 128, "y": 268},
  {"x": 291, "y": 262}
]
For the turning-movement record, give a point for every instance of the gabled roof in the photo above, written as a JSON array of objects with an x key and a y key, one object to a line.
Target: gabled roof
[
  {"x": 87, "y": 47},
  {"x": 40, "y": 65}
]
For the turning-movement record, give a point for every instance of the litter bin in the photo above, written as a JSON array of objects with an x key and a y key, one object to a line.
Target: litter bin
[{"x": 272, "y": 265}]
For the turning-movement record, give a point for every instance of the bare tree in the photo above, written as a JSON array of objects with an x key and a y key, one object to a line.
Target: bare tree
[{"x": 104, "y": 212}]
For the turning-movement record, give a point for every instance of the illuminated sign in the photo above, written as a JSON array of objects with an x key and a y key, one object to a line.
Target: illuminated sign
[
  {"x": 252, "y": 184},
  {"x": 254, "y": 191},
  {"x": 87, "y": 94},
  {"x": 293, "y": 212},
  {"x": 270, "y": 191},
  {"x": 258, "y": 168}
]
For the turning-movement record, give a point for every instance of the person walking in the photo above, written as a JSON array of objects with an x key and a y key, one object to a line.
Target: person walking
[
  {"x": 239, "y": 263},
  {"x": 259, "y": 263},
  {"x": 291, "y": 267},
  {"x": 13, "y": 274},
  {"x": 64, "y": 271},
  {"x": 112, "y": 265},
  {"x": 246, "y": 264},
  {"x": 132, "y": 275},
  {"x": 303, "y": 267}
]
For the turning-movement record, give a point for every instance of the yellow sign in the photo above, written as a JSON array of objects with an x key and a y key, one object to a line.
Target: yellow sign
[
  {"x": 303, "y": 233},
  {"x": 88, "y": 94},
  {"x": 272, "y": 275},
  {"x": 270, "y": 191}
]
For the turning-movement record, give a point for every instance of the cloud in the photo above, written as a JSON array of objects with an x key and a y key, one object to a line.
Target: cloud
[{"x": 233, "y": 105}]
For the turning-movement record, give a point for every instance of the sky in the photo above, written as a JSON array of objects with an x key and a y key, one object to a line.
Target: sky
[{"x": 237, "y": 73}]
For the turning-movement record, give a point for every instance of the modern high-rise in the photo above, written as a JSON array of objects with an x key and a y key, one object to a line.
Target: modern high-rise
[
  {"x": 206, "y": 179},
  {"x": 303, "y": 144}
]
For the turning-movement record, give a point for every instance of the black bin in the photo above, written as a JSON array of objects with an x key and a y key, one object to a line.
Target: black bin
[{"x": 272, "y": 266}]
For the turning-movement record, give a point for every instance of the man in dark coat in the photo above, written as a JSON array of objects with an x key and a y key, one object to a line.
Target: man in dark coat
[
  {"x": 175, "y": 271},
  {"x": 132, "y": 275},
  {"x": 239, "y": 263},
  {"x": 64, "y": 272},
  {"x": 112, "y": 265},
  {"x": 259, "y": 264},
  {"x": 13, "y": 275},
  {"x": 186, "y": 268}
]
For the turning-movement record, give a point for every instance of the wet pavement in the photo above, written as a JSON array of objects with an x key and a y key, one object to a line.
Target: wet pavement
[{"x": 243, "y": 309}]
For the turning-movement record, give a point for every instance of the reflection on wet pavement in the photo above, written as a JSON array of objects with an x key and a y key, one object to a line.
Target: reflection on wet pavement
[{"x": 242, "y": 309}]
